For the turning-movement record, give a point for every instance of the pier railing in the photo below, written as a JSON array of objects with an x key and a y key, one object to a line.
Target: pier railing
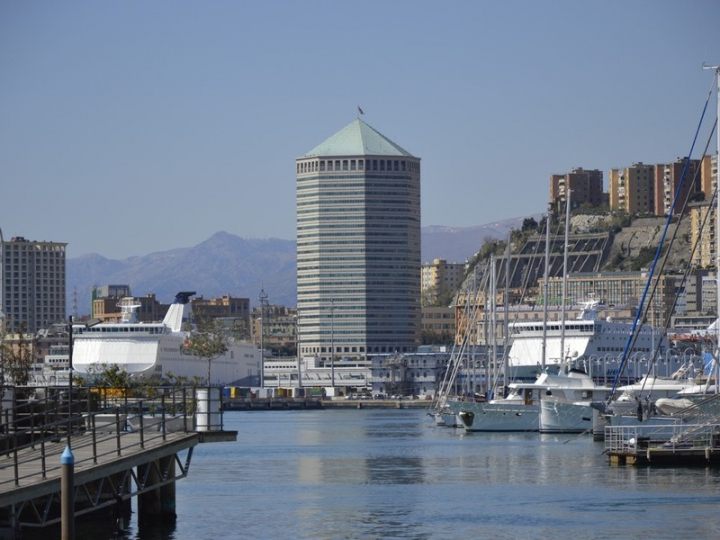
[
  {"x": 100, "y": 422},
  {"x": 679, "y": 436}
]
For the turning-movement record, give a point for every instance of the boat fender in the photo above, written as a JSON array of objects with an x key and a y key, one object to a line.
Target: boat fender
[{"x": 640, "y": 411}]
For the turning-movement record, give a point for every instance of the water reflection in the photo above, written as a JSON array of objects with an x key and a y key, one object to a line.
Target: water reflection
[{"x": 391, "y": 474}]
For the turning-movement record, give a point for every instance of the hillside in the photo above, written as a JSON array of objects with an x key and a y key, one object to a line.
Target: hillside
[
  {"x": 228, "y": 264},
  {"x": 627, "y": 250},
  {"x": 595, "y": 245}
]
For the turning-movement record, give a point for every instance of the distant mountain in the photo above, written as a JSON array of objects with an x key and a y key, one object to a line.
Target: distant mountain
[
  {"x": 222, "y": 264},
  {"x": 228, "y": 264},
  {"x": 457, "y": 244}
]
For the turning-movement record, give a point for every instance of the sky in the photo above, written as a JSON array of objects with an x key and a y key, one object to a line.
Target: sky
[{"x": 133, "y": 127}]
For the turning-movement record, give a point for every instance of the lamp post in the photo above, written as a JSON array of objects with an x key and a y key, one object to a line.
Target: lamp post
[{"x": 263, "y": 302}]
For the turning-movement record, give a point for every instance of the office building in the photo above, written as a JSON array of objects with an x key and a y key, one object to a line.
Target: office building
[
  {"x": 358, "y": 246},
  {"x": 33, "y": 284}
]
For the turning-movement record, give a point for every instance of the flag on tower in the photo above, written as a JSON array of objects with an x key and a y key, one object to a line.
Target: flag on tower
[{"x": 360, "y": 110}]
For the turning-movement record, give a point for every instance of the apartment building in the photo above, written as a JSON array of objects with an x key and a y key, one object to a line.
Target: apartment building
[
  {"x": 440, "y": 277},
  {"x": 669, "y": 184},
  {"x": 633, "y": 189},
  {"x": 708, "y": 176},
  {"x": 586, "y": 187},
  {"x": 702, "y": 231},
  {"x": 32, "y": 284}
]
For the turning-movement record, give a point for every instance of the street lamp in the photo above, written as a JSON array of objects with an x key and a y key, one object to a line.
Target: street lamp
[{"x": 263, "y": 303}]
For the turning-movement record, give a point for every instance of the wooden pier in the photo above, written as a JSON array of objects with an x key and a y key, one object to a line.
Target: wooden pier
[{"x": 117, "y": 455}]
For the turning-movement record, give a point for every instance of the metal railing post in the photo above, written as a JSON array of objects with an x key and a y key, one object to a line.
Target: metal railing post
[
  {"x": 15, "y": 459},
  {"x": 32, "y": 430},
  {"x": 142, "y": 426},
  {"x": 117, "y": 428},
  {"x": 42, "y": 458},
  {"x": 185, "y": 409},
  {"x": 162, "y": 406},
  {"x": 94, "y": 436}
]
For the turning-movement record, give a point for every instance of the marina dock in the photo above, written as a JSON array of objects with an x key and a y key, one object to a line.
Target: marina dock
[
  {"x": 682, "y": 445},
  {"x": 118, "y": 451}
]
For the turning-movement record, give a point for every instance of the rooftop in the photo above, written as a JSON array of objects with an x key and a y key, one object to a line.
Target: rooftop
[{"x": 358, "y": 139}]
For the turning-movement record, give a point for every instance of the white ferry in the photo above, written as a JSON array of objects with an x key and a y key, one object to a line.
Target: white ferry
[
  {"x": 590, "y": 344},
  {"x": 157, "y": 349}
]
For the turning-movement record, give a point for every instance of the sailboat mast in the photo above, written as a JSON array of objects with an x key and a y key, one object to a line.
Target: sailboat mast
[
  {"x": 493, "y": 319},
  {"x": 564, "y": 281},
  {"x": 545, "y": 289},
  {"x": 506, "y": 308}
]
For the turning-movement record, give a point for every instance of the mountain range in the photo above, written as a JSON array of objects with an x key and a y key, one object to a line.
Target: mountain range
[{"x": 226, "y": 264}]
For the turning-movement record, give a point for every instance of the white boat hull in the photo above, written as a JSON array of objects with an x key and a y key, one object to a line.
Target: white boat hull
[
  {"x": 498, "y": 417},
  {"x": 558, "y": 417}
]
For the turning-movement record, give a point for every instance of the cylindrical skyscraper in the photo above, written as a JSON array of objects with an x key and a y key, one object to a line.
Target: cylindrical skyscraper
[{"x": 358, "y": 246}]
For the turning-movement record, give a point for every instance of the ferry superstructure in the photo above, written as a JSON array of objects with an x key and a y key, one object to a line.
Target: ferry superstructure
[
  {"x": 158, "y": 349},
  {"x": 590, "y": 343}
]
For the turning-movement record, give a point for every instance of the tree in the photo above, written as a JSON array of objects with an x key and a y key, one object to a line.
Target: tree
[
  {"x": 207, "y": 341},
  {"x": 433, "y": 337},
  {"x": 529, "y": 224},
  {"x": 16, "y": 355}
]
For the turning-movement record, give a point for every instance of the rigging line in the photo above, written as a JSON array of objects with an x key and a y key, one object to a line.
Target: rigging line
[
  {"x": 683, "y": 213},
  {"x": 688, "y": 267},
  {"x": 623, "y": 362}
]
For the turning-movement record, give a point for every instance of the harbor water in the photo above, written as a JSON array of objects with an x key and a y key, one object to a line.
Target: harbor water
[{"x": 391, "y": 474}]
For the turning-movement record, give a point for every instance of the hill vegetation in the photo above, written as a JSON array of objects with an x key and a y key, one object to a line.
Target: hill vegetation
[{"x": 599, "y": 240}]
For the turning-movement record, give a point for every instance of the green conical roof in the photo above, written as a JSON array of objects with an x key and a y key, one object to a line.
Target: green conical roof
[{"x": 358, "y": 139}]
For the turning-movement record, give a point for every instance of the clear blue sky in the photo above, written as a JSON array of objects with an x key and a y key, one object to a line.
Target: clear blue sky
[{"x": 128, "y": 127}]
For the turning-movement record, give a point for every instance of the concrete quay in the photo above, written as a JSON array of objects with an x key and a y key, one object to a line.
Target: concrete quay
[{"x": 294, "y": 404}]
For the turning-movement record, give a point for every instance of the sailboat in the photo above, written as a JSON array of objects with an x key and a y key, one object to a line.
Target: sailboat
[
  {"x": 440, "y": 409},
  {"x": 520, "y": 409},
  {"x": 693, "y": 402}
]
